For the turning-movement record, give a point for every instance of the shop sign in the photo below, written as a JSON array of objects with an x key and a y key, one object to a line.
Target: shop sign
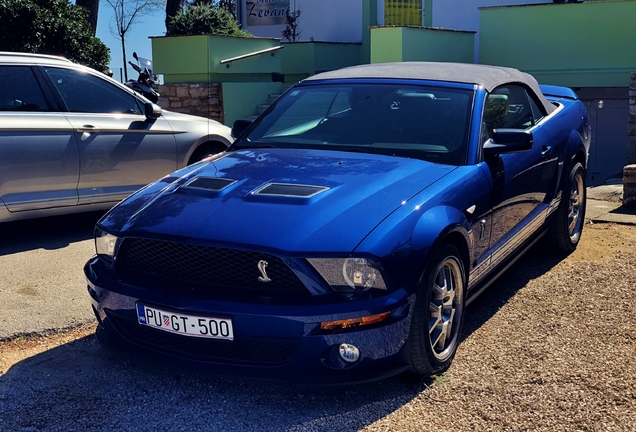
[{"x": 266, "y": 12}]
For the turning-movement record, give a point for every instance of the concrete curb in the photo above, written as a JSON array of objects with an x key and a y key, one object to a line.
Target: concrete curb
[{"x": 604, "y": 205}]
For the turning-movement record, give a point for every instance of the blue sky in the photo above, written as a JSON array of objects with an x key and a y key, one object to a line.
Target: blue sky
[{"x": 137, "y": 39}]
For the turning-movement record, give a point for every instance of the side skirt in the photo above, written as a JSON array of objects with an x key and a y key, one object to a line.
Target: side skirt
[{"x": 505, "y": 265}]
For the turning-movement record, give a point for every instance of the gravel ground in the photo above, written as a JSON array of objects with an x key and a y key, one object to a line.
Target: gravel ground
[{"x": 550, "y": 346}]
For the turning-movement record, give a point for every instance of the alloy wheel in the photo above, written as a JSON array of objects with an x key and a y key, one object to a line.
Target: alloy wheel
[
  {"x": 445, "y": 308},
  {"x": 575, "y": 206}
]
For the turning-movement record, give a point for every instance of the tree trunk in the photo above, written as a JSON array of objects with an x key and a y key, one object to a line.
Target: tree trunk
[
  {"x": 93, "y": 8},
  {"x": 173, "y": 7},
  {"x": 123, "y": 51}
]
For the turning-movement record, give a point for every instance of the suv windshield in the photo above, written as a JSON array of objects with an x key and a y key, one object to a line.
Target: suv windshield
[{"x": 417, "y": 121}]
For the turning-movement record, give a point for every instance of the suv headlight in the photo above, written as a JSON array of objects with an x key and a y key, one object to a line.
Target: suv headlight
[
  {"x": 106, "y": 245},
  {"x": 349, "y": 274}
]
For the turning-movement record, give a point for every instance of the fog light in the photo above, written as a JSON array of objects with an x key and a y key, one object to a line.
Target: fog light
[{"x": 349, "y": 353}]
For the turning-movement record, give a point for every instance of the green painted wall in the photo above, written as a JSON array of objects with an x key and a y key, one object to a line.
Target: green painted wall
[
  {"x": 241, "y": 99},
  {"x": 308, "y": 58},
  {"x": 369, "y": 19},
  {"x": 194, "y": 57},
  {"x": 573, "y": 44},
  {"x": 386, "y": 44},
  {"x": 395, "y": 44},
  {"x": 428, "y": 13}
]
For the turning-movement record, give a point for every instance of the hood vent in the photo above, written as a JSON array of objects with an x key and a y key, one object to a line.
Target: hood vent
[
  {"x": 209, "y": 183},
  {"x": 290, "y": 190}
]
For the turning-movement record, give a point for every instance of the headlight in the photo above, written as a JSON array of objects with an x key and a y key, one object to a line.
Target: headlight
[
  {"x": 349, "y": 274},
  {"x": 105, "y": 245}
]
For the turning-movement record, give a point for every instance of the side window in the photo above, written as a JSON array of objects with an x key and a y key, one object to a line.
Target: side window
[
  {"x": 20, "y": 90},
  {"x": 537, "y": 113},
  {"x": 510, "y": 106},
  {"x": 83, "y": 92}
]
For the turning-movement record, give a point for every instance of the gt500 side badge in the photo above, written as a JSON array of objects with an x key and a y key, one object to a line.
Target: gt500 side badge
[{"x": 262, "y": 265}]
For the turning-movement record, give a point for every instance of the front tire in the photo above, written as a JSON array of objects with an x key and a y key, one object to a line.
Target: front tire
[
  {"x": 567, "y": 225},
  {"x": 438, "y": 313}
]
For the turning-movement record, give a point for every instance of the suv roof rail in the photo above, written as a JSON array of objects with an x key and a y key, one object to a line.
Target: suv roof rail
[{"x": 23, "y": 54}]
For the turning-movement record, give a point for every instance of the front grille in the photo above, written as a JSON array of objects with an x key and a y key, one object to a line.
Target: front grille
[
  {"x": 207, "y": 266},
  {"x": 252, "y": 351}
]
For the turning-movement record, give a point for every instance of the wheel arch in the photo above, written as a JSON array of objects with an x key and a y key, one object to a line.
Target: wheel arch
[
  {"x": 451, "y": 226},
  {"x": 202, "y": 143}
]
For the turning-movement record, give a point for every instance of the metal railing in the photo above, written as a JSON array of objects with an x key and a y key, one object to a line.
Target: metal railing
[{"x": 228, "y": 62}]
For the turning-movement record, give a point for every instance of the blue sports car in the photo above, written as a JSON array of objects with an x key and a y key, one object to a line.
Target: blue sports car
[{"x": 341, "y": 236}]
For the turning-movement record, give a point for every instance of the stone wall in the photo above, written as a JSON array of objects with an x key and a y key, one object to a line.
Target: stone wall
[
  {"x": 629, "y": 172},
  {"x": 200, "y": 99}
]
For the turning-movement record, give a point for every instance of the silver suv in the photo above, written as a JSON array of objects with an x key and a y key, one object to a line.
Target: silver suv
[{"x": 73, "y": 139}]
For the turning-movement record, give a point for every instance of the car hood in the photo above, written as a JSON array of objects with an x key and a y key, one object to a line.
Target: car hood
[{"x": 355, "y": 192}]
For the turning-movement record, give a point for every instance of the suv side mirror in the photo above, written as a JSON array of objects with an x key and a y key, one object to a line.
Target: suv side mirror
[
  {"x": 152, "y": 111},
  {"x": 240, "y": 126},
  {"x": 508, "y": 141}
]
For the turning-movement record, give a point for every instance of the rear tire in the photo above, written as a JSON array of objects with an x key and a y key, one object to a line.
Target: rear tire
[
  {"x": 567, "y": 225},
  {"x": 438, "y": 313}
]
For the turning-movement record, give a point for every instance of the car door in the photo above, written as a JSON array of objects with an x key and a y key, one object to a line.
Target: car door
[
  {"x": 521, "y": 181},
  {"x": 120, "y": 149},
  {"x": 39, "y": 158}
]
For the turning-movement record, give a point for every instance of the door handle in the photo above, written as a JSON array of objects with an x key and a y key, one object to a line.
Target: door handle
[
  {"x": 546, "y": 150},
  {"x": 87, "y": 128}
]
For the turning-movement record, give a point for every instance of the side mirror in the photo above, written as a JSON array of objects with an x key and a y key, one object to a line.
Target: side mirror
[
  {"x": 240, "y": 126},
  {"x": 152, "y": 111},
  {"x": 508, "y": 141},
  {"x": 135, "y": 56}
]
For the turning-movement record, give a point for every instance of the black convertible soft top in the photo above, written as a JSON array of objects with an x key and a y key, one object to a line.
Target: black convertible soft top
[{"x": 488, "y": 77}]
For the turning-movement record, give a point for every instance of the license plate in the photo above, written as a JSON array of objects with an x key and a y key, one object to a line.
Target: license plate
[{"x": 187, "y": 325}]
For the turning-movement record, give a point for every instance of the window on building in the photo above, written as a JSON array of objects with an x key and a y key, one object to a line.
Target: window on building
[{"x": 403, "y": 12}]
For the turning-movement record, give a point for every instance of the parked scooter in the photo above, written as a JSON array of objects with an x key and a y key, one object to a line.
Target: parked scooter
[{"x": 147, "y": 83}]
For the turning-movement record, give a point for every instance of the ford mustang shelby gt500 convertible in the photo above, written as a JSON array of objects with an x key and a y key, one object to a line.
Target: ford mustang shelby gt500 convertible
[{"x": 341, "y": 236}]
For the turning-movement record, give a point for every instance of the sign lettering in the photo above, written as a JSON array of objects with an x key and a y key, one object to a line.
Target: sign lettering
[{"x": 266, "y": 12}]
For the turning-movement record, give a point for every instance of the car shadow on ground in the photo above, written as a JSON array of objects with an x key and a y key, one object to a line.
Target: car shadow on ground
[
  {"x": 534, "y": 263},
  {"x": 83, "y": 386},
  {"x": 54, "y": 232},
  {"x": 91, "y": 388}
]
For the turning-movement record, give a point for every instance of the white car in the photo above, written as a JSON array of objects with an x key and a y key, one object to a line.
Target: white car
[{"x": 73, "y": 139}]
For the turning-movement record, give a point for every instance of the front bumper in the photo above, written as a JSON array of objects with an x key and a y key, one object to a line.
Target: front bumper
[{"x": 270, "y": 341}]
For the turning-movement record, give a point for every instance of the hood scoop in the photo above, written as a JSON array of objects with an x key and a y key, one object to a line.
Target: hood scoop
[
  {"x": 289, "y": 190},
  {"x": 213, "y": 184}
]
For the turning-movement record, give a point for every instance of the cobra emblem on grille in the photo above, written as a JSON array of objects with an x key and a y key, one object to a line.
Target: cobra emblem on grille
[{"x": 262, "y": 265}]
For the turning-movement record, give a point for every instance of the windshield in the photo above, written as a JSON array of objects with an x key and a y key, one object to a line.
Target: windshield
[{"x": 416, "y": 121}]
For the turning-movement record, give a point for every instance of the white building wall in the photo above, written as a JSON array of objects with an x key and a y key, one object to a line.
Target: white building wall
[
  {"x": 322, "y": 20},
  {"x": 464, "y": 14},
  {"x": 341, "y": 20}
]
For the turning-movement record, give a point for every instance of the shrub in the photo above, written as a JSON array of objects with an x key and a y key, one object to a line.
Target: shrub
[
  {"x": 204, "y": 18},
  {"x": 51, "y": 27}
]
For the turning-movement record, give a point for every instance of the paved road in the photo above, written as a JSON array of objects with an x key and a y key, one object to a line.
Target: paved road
[{"x": 42, "y": 285}]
